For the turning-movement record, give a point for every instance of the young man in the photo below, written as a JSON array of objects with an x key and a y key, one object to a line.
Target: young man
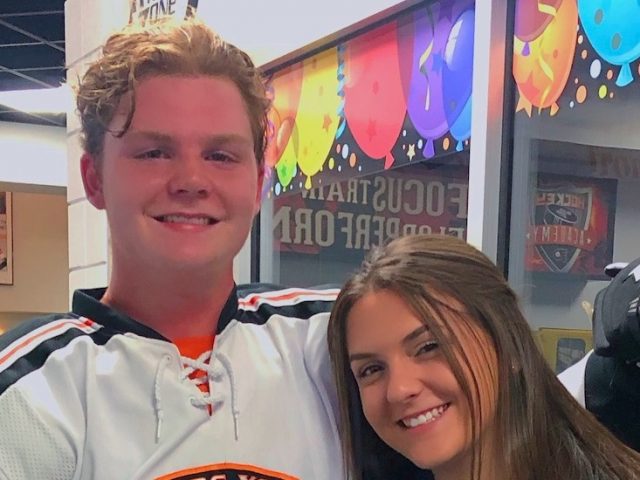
[{"x": 172, "y": 372}]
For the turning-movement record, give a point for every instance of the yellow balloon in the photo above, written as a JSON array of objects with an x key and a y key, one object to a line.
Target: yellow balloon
[
  {"x": 317, "y": 119},
  {"x": 542, "y": 72}
]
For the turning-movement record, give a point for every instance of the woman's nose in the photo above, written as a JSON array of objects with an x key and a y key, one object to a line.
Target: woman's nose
[{"x": 403, "y": 383}]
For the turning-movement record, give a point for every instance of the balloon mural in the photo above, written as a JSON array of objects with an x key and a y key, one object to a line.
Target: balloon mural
[
  {"x": 541, "y": 68},
  {"x": 374, "y": 104},
  {"x": 532, "y": 17},
  {"x": 317, "y": 119},
  {"x": 303, "y": 119},
  {"x": 457, "y": 76},
  {"x": 381, "y": 99},
  {"x": 285, "y": 97},
  {"x": 421, "y": 46},
  {"x": 553, "y": 38},
  {"x": 613, "y": 30}
]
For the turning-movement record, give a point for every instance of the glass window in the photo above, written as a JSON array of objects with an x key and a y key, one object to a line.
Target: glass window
[
  {"x": 370, "y": 140},
  {"x": 576, "y": 162}
]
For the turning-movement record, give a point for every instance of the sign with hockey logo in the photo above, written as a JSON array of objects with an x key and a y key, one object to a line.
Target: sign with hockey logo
[
  {"x": 562, "y": 214},
  {"x": 571, "y": 227}
]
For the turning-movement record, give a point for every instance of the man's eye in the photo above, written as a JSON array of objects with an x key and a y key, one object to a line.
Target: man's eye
[
  {"x": 155, "y": 153},
  {"x": 221, "y": 157}
]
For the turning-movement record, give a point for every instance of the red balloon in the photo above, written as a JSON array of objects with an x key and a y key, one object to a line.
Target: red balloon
[
  {"x": 374, "y": 98},
  {"x": 532, "y": 17}
]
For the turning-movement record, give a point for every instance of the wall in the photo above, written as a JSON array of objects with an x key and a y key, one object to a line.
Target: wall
[
  {"x": 269, "y": 30},
  {"x": 33, "y": 154},
  {"x": 40, "y": 258}
]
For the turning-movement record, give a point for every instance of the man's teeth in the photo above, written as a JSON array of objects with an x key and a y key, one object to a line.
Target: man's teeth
[
  {"x": 423, "y": 418},
  {"x": 188, "y": 220}
]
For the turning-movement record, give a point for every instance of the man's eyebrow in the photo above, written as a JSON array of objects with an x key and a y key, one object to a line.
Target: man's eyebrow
[
  {"x": 149, "y": 135},
  {"x": 218, "y": 139},
  {"x": 226, "y": 138}
]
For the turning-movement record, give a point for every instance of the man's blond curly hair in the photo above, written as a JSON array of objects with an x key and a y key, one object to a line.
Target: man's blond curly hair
[{"x": 166, "y": 47}]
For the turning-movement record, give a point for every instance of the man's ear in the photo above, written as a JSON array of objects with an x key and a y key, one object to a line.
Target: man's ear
[{"x": 92, "y": 180}]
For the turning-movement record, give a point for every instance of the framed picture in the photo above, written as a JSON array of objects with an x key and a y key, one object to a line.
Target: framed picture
[
  {"x": 6, "y": 239},
  {"x": 571, "y": 226}
]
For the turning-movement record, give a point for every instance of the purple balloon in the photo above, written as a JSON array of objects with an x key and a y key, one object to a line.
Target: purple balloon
[
  {"x": 425, "y": 104},
  {"x": 457, "y": 72}
]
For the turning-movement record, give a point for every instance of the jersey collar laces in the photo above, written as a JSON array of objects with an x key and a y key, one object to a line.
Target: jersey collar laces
[{"x": 215, "y": 366}]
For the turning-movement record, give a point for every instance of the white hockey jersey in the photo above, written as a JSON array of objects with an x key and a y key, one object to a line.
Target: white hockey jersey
[{"x": 95, "y": 395}]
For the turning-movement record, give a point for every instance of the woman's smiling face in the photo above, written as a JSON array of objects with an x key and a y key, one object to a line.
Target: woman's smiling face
[{"x": 409, "y": 392}]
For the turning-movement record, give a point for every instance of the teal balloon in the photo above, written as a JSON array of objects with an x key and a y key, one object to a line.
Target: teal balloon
[{"x": 613, "y": 28}]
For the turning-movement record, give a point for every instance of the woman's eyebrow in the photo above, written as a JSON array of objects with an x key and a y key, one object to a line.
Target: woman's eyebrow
[
  {"x": 415, "y": 334},
  {"x": 360, "y": 356},
  {"x": 409, "y": 338}
]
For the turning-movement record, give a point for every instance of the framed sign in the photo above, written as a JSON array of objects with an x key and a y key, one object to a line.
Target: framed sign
[
  {"x": 572, "y": 225},
  {"x": 6, "y": 239}
]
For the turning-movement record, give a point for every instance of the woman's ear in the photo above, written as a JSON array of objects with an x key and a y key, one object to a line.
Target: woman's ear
[{"x": 92, "y": 180}]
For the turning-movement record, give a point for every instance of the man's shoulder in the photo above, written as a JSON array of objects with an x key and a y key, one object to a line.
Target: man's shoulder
[
  {"x": 258, "y": 302},
  {"x": 26, "y": 348},
  {"x": 34, "y": 326}
]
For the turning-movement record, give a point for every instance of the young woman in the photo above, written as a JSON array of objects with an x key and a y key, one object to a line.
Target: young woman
[{"x": 434, "y": 360}]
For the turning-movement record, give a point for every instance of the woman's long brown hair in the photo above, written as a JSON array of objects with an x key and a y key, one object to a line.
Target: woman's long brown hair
[{"x": 544, "y": 433}]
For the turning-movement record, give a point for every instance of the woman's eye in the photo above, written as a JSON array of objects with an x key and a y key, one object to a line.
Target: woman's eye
[
  {"x": 427, "y": 347},
  {"x": 368, "y": 371}
]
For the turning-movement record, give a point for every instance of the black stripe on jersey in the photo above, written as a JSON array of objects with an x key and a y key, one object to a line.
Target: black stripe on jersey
[
  {"x": 28, "y": 326},
  {"x": 303, "y": 309},
  {"x": 36, "y": 358}
]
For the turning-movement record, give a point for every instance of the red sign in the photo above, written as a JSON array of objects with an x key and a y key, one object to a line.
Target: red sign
[{"x": 571, "y": 225}]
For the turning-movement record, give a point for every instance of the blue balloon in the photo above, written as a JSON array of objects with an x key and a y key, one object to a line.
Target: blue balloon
[
  {"x": 614, "y": 32},
  {"x": 461, "y": 128},
  {"x": 457, "y": 69},
  {"x": 457, "y": 75}
]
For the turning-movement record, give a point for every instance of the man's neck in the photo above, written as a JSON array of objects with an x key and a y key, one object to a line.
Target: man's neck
[{"x": 176, "y": 306}]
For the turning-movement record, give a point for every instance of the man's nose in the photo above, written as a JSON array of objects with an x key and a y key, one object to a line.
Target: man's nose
[{"x": 190, "y": 176}]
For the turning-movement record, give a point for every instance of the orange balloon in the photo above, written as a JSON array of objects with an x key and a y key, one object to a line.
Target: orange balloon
[
  {"x": 285, "y": 87},
  {"x": 283, "y": 134},
  {"x": 542, "y": 75}
]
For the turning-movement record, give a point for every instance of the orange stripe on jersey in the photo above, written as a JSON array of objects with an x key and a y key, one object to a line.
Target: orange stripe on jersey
[
  {"x": 253, "y": 298},
  {"x": 57, "y": 326},
  {"x": 227, "y": 468}
]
